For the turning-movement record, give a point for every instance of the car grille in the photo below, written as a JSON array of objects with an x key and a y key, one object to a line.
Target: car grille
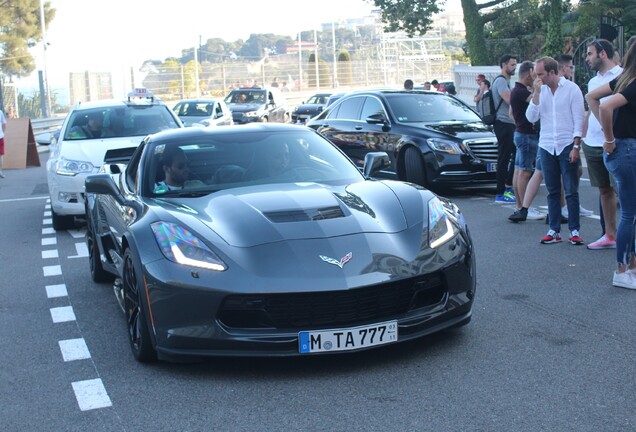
[
  {"x": 485, "y": 149},
  {"x": 331, "y": 308}
]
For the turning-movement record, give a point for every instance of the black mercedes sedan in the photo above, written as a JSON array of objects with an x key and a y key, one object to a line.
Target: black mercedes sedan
[
  {"x": 310, "y": 108},
  {"x": 266, "y": 240},
  {"x": 433, "y": 139}
]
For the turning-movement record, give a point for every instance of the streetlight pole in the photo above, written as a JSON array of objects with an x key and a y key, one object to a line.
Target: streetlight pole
[
  {"x": 335, "y": 61},
  {"x": 45, "y": 98}
]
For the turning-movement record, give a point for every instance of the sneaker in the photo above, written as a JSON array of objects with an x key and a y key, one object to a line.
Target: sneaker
[
  {"x": 575, "y": 238},
  {"x": 519, "y": 215},
  {"x": 551, "y": 237},
  {"x": 624, "y": 280},
  {"x": 603, "y": 243},
  {"x": 510, "y": 195},
  {"x": 502, "y": 199},
  {"x": 534, "y": 214},
  {"x": 585, "y": 212}
]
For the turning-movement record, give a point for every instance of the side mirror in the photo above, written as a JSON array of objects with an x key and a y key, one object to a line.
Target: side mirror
[
  {"x": 44, "y": 138},
  {"x": 377, "y": 119},
  {"x": 375, "y": 162}
]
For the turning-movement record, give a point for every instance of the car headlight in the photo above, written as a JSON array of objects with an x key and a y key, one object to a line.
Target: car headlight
[
  {"x": 295, "y": 109},
  {"x": 443, "y": 145},
  {"x": 180, "y": 246},
  {"x": 67, "y": 167},
  {"x": 440, "y": 227}
]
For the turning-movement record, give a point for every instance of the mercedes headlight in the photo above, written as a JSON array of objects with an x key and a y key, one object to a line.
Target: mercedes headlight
[
  {"x": 444, "y": 145},
  {"x": 181, "y": 246}
]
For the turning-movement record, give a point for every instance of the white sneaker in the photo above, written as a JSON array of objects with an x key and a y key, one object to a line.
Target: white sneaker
[
  {"x": 585, "y": 212},
  {"x": 624, "y": 280},
  {"x": 534, "y": 214}
]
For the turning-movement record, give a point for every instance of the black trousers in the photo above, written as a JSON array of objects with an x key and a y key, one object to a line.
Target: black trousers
[{"x": 505, "y": 133}]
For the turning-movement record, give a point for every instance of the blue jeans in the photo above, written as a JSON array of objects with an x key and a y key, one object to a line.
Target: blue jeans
[
  {"x": 622, "y": 164},
  {"x": 555, "y": 168},
  {"x": 527, "y": 145}
]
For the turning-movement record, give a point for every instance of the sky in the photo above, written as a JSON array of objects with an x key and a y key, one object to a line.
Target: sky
[{"x": 115, "y": 35}]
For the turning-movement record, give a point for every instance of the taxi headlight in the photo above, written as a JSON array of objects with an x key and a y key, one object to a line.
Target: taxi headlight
[{"x": 68, "y": 167}]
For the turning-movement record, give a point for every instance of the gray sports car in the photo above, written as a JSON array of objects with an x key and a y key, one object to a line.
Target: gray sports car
[{"x": 267, "y": 240}]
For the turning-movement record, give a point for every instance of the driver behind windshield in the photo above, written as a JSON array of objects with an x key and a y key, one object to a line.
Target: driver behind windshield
[{"x": 175, "y": 171}]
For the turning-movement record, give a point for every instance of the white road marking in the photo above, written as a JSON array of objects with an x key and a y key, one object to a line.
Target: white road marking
[
  {"x": 91, "y": 394},
  {"x": 22, "y": 199},
  {"x": 49, "y": 254},
  {"x": 62, "y": 314},
  {"x": 53, "y": 291},
  {"x": 82, "y": 250},
  {"x": 46, "y": 231},
  {"x": 74, "y": 349},
  {"x": 80, "y": 233},
  {"x": 47, "y": 214},
  {"x": 47, "y": 241},
  {"x": 47, "y": 221},
  {"x": 54, "y": 270}
]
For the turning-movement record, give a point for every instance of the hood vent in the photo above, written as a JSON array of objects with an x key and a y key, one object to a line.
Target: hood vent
[{"x": 305, "y": 215}]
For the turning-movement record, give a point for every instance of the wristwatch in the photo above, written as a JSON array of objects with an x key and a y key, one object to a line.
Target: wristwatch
[{"x": 577, "y": 147}]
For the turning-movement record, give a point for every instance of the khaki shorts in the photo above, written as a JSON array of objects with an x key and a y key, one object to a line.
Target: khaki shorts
[{"x": 599, "y": 175}]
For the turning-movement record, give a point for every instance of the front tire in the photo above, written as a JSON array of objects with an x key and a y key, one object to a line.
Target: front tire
[
  {"x": 414, "y": 166},
  {"x": 62, "y": 223},
  {"x": 98, "y": 274},
  {"x": 138, "y": 333}
]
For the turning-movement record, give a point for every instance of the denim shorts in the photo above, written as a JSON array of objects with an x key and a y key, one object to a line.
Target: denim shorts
[{"x": 527, "y": 145}]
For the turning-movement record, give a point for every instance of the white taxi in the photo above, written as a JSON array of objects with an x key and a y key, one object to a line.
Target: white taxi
[{"x": 88, "y": 132}]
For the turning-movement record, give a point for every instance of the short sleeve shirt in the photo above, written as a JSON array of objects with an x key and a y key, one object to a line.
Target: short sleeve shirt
[
  {"x": 624, "y": 125},
  {"x": 519, "y": 103},
  {"x": 499, "y": 86}
]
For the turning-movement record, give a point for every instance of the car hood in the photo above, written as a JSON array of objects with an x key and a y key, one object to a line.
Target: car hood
[
  {"x": 457, "y": 129},
  {"x": 95, "y": 149},
  {"x": 189, "y": 121},
  {"x": 245, "y": 107},
  {"x": 307, "y": 108},
  {"x": 252, "y": 216}
]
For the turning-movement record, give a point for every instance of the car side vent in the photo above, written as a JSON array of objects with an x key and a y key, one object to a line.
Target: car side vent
[{"x": 305, "y": 215}]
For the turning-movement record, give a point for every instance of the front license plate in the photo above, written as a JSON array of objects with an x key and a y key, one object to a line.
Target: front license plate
[
  {"x": 347, "y": 339},
  {"x": 491, "y": 167}
]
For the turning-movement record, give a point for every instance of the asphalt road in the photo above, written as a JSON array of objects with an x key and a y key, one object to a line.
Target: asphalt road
[{"x": 551, "y": 346}]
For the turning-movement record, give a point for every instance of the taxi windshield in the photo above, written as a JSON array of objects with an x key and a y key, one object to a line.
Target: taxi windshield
[{"x": 119, "y": 121}]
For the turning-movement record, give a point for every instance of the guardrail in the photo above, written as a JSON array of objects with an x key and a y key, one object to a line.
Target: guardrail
[{"x": 46, "y": 124}]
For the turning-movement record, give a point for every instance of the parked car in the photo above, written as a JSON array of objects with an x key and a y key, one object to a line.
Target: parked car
[
  {"x": 274, "y": 244},
  {"x": 204, "y": 112},
  {"x": 257, "y": 104},
  {"x": 433, "y": 139},
  {"x": 310, "y": 108},
  {"x": 88, "y": 131}
]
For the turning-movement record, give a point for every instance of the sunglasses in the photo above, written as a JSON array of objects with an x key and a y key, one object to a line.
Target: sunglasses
[{"x": 598, "y": 45}]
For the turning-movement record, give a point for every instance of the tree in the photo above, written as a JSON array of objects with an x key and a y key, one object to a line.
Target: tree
[
  {"x": 554, "y": 39},
  {"x": 414, "y": 17},
  {"x": 20, "y": 29}
]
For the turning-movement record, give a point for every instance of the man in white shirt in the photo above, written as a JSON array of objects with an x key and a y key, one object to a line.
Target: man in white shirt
[
  {"x": 600, "y": 54},
  {"x": 558, "y": 103}
]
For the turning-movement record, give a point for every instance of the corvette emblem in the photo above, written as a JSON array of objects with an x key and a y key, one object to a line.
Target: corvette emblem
[{"x": 345, "y": 259}]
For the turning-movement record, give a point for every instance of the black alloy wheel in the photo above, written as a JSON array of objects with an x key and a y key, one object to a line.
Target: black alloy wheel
[{"x": 140, "y": 341}]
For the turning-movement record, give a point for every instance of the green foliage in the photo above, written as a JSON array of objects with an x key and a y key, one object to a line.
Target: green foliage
[
  {"x": 20, "y": 29},
  {"x": 31, "y": 107},
  {"x": 554, "y": 39},
  {"x": 589, "y": 13},
  {"x": 345, "y": 69}
]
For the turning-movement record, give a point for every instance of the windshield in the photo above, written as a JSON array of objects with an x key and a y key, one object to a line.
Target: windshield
[
  {"x": 429, "y": 108},
  {"x": 318, "y": 99},
  {"x": 119, "y": 121},
  {"x": 194, "y": 109},
  {"x": 247, "y": 96},
  {"x": 203, "y": 164}
]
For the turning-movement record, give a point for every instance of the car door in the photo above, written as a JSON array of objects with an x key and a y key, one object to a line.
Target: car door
[
  {"x": 342, "y": 126},
  {"x": 379, "y": 134}
]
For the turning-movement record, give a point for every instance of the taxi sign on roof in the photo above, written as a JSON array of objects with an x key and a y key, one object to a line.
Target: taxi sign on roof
[{"x": 140, "y": 95}]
